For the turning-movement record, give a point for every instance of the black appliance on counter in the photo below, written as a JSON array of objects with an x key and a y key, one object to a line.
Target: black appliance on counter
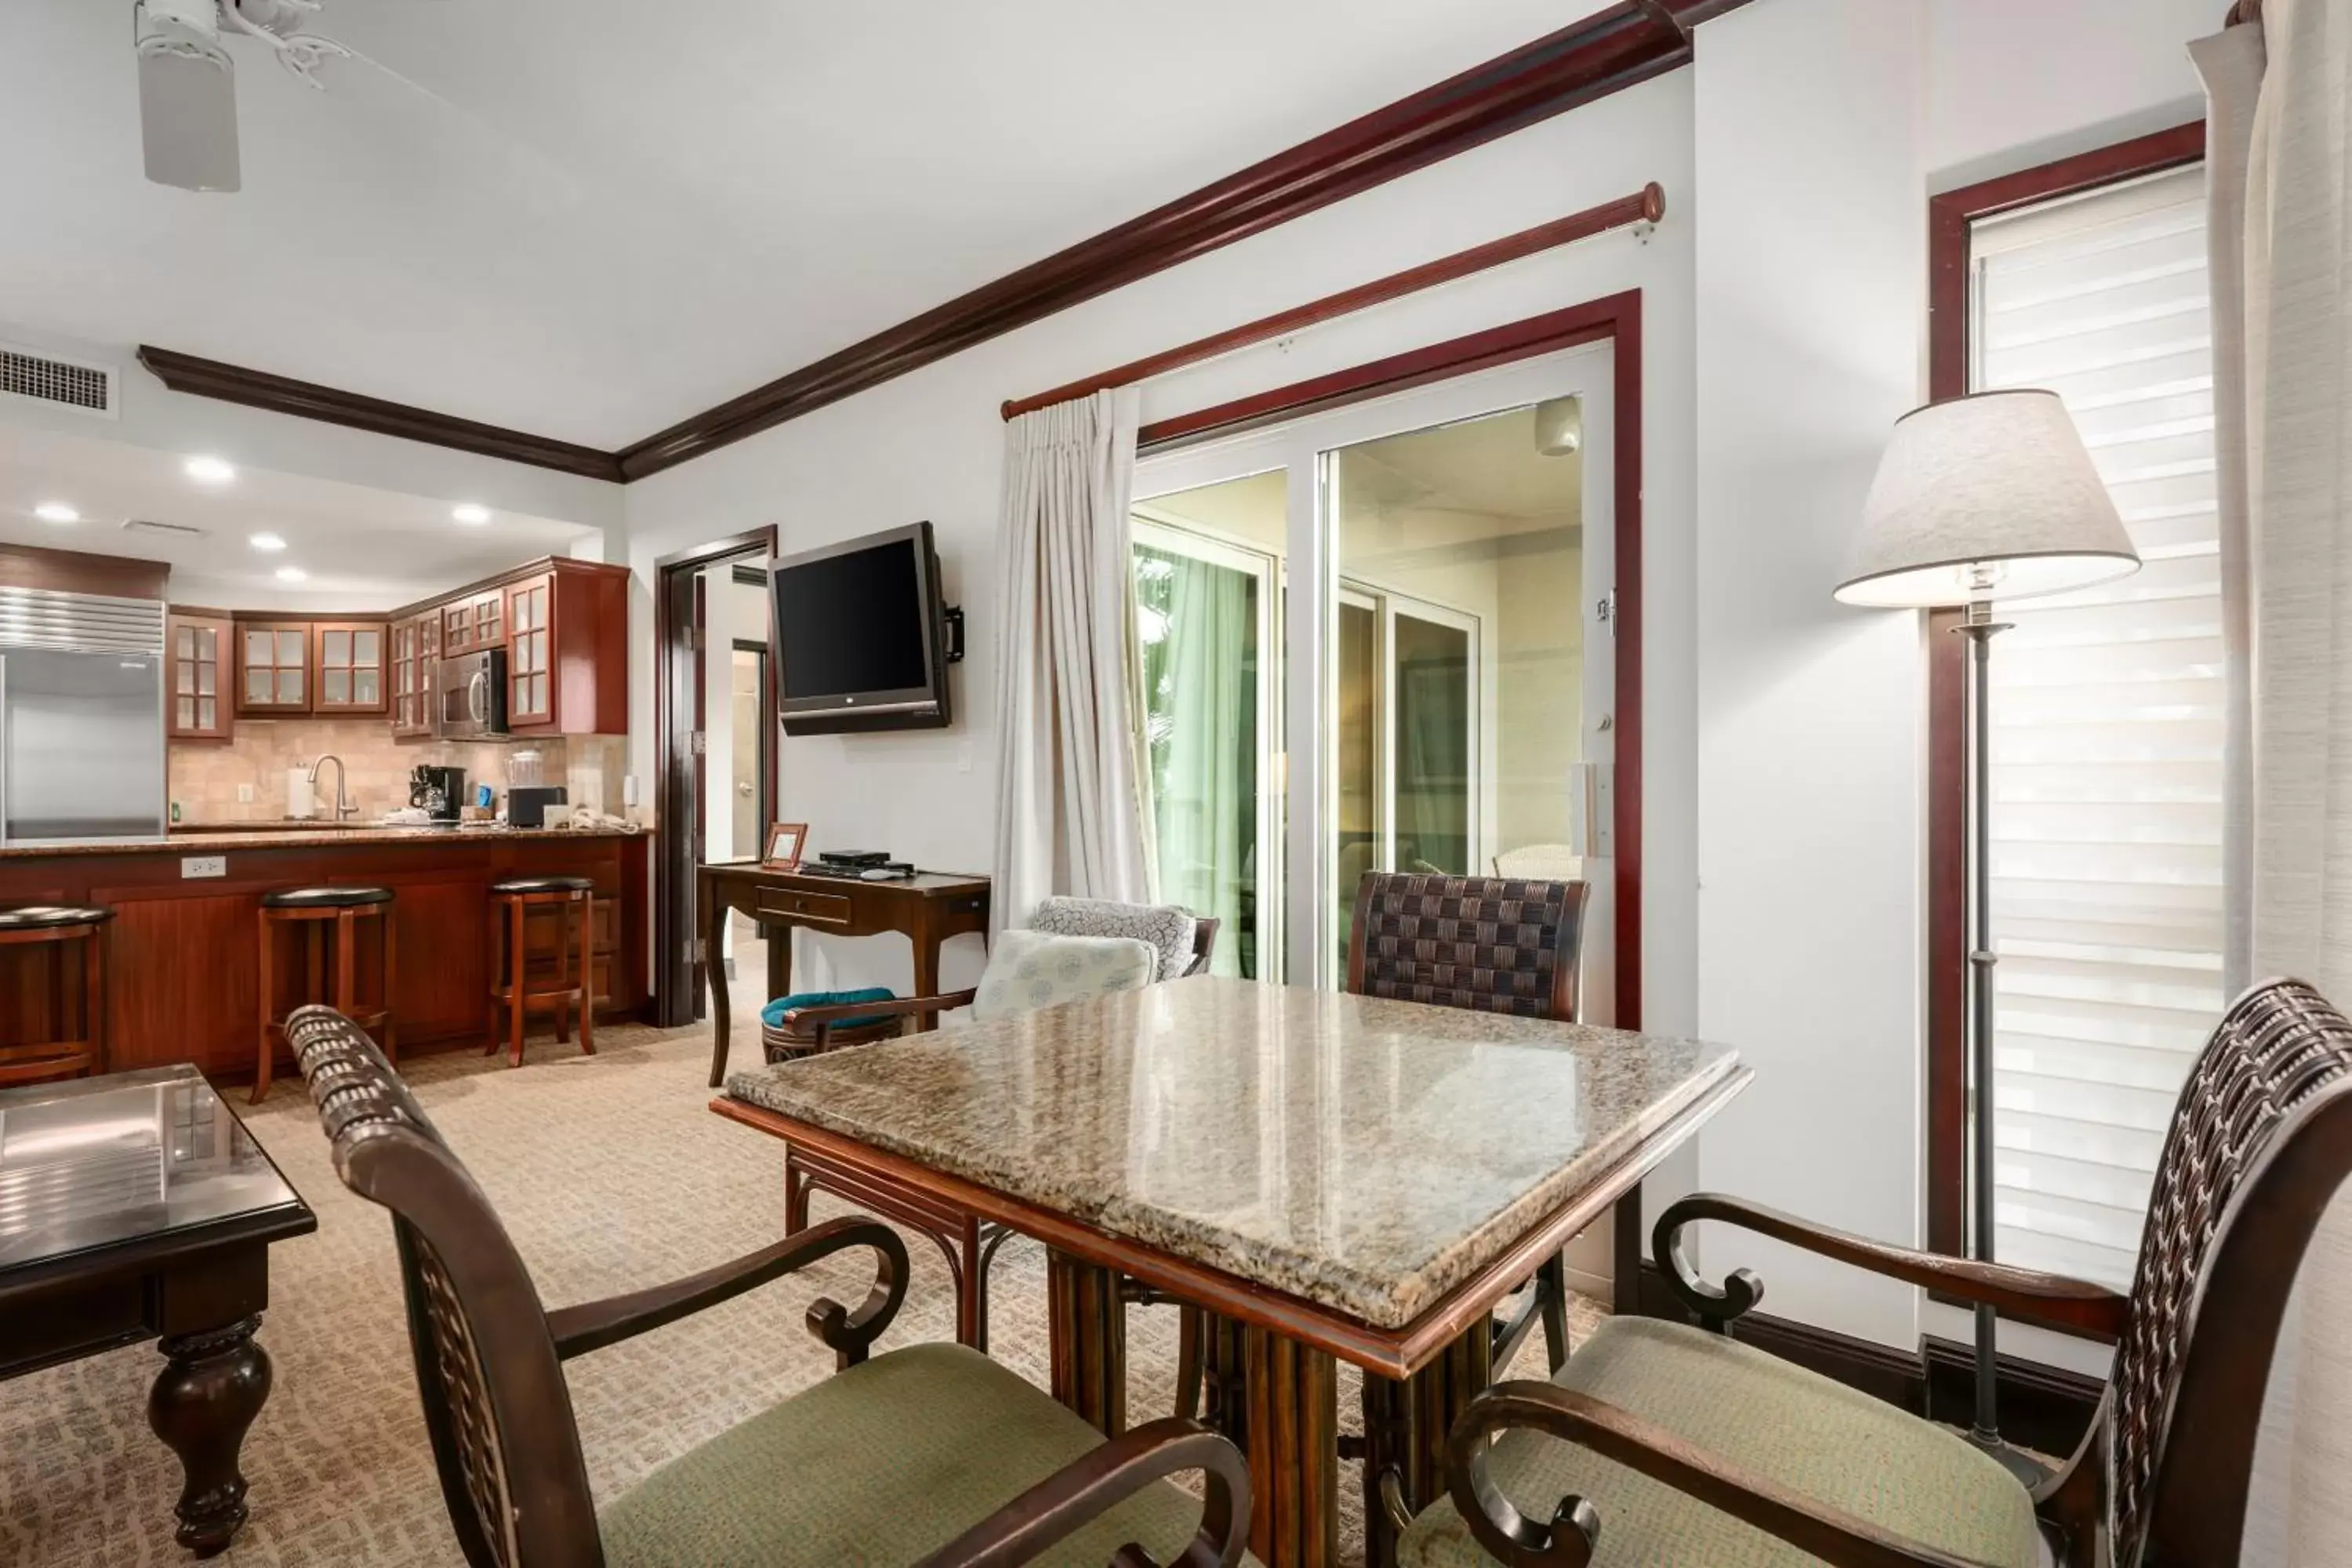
[
  {"x": 439, "y": 792},
  {"x": 527, "y": 805}
]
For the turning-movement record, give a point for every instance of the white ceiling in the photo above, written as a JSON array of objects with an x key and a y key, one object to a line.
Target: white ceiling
[
  {"x": 361, "y": 548},
  {"x": 591, "y": 218}
]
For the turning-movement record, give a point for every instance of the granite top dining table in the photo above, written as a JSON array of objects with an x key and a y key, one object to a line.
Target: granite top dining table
[{"x": 1323, "y": 1174}]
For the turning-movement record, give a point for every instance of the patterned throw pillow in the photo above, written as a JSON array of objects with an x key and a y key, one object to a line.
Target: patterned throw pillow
[
  {"x": 1167, "y": 927},
  {"x": 1032, "y": 969}
]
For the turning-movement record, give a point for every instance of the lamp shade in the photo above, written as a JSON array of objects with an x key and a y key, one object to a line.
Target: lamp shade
[{"x": 1982, "y": 498}]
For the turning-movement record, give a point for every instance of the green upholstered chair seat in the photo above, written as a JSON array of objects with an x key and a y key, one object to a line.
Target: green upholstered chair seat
[
  {"x": 878, "y": 1465},
  {"x": 1818, "y": 1438}
]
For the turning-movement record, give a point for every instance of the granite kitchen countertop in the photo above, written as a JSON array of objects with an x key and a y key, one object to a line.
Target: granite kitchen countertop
[
  {"x": 217, "y": 842},
  {"x": 1366, "y": 1154}
]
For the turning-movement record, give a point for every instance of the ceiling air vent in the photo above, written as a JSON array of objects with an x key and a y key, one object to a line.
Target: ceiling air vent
[
  {"x": 59, "y": 382},
  {"x": 169, "y": 530}
]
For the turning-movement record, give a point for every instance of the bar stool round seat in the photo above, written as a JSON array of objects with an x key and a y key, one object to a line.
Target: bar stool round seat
[
  {"x": 52, "y": 917},
  {"x": 325, "y": 898},
  {"x": 570, "y": 903},
  {"x": 43, "y": 938},
  {"x": 327, "y": 920},
  {"x": 515, "y": 885}
]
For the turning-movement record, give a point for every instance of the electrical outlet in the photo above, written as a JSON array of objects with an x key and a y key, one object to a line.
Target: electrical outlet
[
  {"x": 245, "y": 795},
  {"x": 195, "y": 866}
]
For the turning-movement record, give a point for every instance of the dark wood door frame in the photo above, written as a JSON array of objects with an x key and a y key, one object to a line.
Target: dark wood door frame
[
  {"x": 1949, "y": 218},
  {"x": 678, "y": 717},
  {"x": 1617, "y": 321}
]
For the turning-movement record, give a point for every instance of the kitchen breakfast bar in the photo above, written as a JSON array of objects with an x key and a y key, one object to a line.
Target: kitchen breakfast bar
[{"x": 182, "y": 955}]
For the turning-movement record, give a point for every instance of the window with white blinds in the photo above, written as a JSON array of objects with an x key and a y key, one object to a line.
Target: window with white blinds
[{"x": 2106, "y": 718}]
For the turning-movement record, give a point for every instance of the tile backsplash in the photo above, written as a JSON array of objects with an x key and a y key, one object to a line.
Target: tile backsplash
[{"x": 205, "y": 775}]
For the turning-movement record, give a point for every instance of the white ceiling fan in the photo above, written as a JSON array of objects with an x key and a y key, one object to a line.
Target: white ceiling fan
[{"x": 187, "y": 78}]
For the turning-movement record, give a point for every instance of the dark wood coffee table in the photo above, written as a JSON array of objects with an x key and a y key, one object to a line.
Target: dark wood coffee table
[{"x": 134, "y": 1207}]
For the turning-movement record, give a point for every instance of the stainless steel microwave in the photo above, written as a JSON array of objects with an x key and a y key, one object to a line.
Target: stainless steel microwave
[{"x": 470, "y": 696}]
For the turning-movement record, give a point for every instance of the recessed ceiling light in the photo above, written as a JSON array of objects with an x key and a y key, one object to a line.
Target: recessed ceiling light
[
  {"x": 471, "y": 514},
  {"x": 291, "y": 575},
  {"x": 55, "y": 511},
  {"x": 209, "y": 471},
  {"x": 268, "y": 542}
]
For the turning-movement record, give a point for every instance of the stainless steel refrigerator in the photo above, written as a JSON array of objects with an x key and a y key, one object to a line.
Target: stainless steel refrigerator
[{"x": 81, "y": 717}]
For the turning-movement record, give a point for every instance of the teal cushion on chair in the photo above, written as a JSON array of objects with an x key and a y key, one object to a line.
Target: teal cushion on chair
[
  {"x": 1818, "y": 1438},
  {"x": 772, "y": 1014},
  {"x": 878, "y": 1466}
]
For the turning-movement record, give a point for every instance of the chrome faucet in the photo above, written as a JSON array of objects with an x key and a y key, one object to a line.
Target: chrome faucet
[{"x": 344, "y": 807}]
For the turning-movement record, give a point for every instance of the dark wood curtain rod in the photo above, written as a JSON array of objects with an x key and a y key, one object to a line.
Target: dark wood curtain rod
[{"x": 1647, "y": 205}]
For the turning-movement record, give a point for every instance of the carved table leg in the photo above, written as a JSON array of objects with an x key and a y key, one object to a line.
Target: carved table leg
[
  {"x": 1088, "y": 1322},
  {"x": 212, "y": 1386},
  {"x": 1405, "y": 1425},
  {"x": 1293, "y": 1444}
]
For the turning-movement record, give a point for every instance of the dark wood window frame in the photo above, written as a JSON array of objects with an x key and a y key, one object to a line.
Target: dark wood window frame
[
  {"x": 1949, "y": 218},
  {"x": 1615, "y": 320}
]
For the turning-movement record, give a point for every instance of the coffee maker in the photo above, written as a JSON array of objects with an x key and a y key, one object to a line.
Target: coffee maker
[{"x": 439, "y": 792}]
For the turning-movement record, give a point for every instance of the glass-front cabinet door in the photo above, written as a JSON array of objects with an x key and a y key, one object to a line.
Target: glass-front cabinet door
[
  {"x": 273, "y": 667},
  {"x": 350, "y": 663},
  {"x": 1434, "y": 650},
  {"x": 199, "y": 704},
  {"x": 530, "y": 645}
]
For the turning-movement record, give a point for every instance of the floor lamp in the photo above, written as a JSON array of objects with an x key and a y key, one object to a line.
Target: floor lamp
[{"x": 1981, "y": 499}]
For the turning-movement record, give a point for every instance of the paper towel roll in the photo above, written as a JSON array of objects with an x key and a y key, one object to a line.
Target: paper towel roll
[{"x": 299, "y": 806}]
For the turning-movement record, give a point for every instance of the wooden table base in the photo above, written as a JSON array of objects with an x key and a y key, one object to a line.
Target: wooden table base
[
  {"x": 1293, "y": 1444},
  {"x": 1405, "y": 1425},
  {"x": 1088, "y": 1324}
]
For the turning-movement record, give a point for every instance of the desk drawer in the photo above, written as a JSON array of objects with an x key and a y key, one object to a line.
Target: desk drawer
[{"x": 817, "y": 908}]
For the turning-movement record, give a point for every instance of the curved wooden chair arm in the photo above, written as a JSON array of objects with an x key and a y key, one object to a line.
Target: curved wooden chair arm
[
  {"x": 1101, "y": 1480},
  {"x": 821, "y": 1020},
  {"x": 1568, "y": 1538},
  {"x": 593, "y": 1325},
  {"x": 2023, "y": 1293}
]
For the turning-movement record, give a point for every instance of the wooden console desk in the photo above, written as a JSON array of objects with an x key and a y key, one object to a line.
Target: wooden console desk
[{"x": 927, "y": 908}]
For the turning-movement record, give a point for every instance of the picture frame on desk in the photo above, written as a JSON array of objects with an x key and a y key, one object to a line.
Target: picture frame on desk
[{"x": 787, "y": 841}]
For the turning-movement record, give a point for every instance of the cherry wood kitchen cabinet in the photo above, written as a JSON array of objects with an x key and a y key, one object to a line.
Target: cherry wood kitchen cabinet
[
  {"x": 564, "y": 626},
  {"x": 410, "y": 718},
  {"x": 347, "y": 667},
  {"x": 200, "y": 675},
  {"x": 273, "y": 669}
]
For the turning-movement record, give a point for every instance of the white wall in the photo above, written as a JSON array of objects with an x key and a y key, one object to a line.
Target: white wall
[
  {"x": 1810, "y": 311},
  {"x": 2014, "y": 83},
  {"x": 931, "y": 446}
]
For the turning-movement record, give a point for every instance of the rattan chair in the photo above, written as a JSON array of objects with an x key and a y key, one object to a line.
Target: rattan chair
[
  {"x": 1490, "y": 944},
  {"x": 969, "y": 1242},
  {"x": 1674, "y": 1444},
  {"x": 930, "y": 1454}
]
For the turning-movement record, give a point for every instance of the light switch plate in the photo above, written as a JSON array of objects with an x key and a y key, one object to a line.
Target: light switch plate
[{"x": 195, "y": 866}]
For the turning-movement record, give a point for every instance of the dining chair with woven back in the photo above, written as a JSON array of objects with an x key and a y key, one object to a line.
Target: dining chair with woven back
[
  {"x": 928, "y": 1454},
  {"x": 1663, "y": 1442},
  {"x": 1181, "y": 946},
  {"x": 1489, "y": 944}
]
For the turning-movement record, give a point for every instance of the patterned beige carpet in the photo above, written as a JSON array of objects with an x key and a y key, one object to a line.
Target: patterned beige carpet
[{"x": 612, "y": 1174}]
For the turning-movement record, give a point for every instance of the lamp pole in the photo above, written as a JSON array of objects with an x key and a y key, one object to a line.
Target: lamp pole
[{"x": 1981, "y": 629}]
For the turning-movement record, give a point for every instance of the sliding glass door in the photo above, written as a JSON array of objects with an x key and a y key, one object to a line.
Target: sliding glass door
[
  {"x": 1207, "y": 612},
  {"x": 1446, "y": 702}
]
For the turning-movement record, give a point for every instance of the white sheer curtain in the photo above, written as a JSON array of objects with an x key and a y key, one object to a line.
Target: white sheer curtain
[
  {"x": 1068, "y": 817},
  {"x": 2281, "y": 129}
]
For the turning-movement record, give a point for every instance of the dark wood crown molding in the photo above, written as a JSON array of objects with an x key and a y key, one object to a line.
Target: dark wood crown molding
[
  {"x": 1626, "y": 45},
  {"x": 1619, "y": 48},
  {"x": 308, "y": 400}
]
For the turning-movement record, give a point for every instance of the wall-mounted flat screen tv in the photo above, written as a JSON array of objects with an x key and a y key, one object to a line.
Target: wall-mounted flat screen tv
[{"x": 861, "y": 636}]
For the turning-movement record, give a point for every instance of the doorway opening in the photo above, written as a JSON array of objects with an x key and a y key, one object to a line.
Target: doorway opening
[{"x": 717, "y": 754}]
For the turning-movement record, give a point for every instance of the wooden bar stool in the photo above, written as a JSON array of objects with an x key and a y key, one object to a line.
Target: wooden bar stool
[
  {"x": 328, "y": 920},
  {"x": 59, "y": 1054},
  {"x": 572, "y": 900}
]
